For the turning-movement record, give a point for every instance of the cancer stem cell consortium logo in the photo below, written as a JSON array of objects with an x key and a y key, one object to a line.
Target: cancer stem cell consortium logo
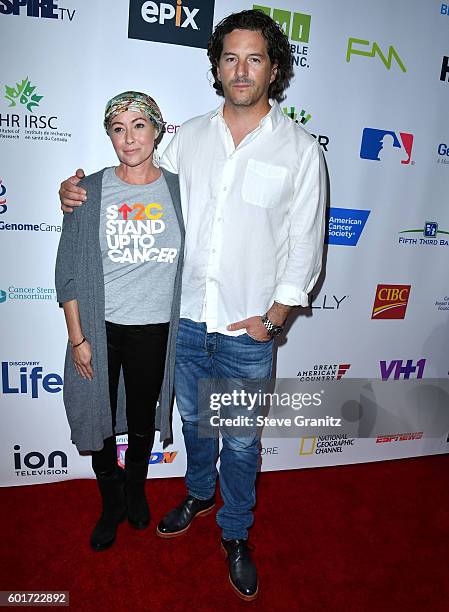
[
  {"x": 390, "y": 301},
  {"x": 378, "y": 145},
  {"x": 177, "y": 22}
]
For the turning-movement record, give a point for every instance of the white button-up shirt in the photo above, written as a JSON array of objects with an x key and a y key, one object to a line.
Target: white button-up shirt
[{"x": 254, "y": 216}]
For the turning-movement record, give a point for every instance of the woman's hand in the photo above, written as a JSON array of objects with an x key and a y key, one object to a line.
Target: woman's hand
[{"x": 82, "y": 358}]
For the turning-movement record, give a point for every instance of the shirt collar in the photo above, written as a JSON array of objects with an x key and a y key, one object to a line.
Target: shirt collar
[{"x": 271, "y": 119}]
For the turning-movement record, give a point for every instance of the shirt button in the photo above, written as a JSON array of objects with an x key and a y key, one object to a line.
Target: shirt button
[{"x": 225, "y": 188}]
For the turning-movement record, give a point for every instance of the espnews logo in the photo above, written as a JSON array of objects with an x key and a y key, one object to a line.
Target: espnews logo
[
  {"x": 177, "y": 22},
  {"x": 390, "y": 301}
]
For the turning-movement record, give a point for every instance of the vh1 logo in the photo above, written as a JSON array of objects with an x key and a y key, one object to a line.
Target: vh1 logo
[{"x": 390, "y": 301}]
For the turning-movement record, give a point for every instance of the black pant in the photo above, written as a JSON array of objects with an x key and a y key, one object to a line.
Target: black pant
[{"x": 140, "y": 351}]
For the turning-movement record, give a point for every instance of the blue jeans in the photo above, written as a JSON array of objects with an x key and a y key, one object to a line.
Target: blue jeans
[{"x": 212, "y": 355}]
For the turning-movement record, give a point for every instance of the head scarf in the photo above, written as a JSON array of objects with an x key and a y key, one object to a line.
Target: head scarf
[{"x": 134, "y": 101}]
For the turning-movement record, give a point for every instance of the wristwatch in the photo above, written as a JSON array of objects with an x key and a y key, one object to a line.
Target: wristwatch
[{"x": 272, "y": 329}]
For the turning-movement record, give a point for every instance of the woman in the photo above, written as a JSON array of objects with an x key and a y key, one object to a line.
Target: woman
[{"x": 118, "y": 276}]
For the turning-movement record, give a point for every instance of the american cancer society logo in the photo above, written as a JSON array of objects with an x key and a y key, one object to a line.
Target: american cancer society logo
[
  {"x": 378, "y": 145},
  {"x": 345, "y": 225}
]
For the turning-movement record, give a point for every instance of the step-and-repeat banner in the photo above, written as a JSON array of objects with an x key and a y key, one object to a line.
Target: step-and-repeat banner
[{"x": 371, "y": 84}]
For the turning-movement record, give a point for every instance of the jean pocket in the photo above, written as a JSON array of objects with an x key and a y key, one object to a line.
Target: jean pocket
[{"x": 254, "y": 341}]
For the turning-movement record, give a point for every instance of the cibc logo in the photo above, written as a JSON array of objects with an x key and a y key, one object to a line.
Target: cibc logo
[
  {"x": 35, "y": 463},
  {"x": 178, "y": 22},
  {"x": 28, "y": 378},
  {"x": 390, "y": 301}
]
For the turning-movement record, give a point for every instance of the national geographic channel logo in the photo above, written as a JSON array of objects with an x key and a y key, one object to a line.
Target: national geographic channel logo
[
  {"x": 323, "y": 445},
  {"x": 177, "y": 22}
]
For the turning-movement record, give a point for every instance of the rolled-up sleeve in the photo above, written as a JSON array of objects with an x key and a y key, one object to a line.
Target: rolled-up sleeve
[
  {"x": 306, "y": 231},
  {"x": 65, "y": 260}
]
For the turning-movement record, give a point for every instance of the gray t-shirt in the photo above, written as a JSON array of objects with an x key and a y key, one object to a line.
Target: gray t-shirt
[{"x": 139, "y": 241}]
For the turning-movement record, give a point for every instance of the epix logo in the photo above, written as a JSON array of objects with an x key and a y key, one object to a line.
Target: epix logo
[
  {"x": 47, "y": 9},
  {"x": 372, "y": 52},
  {"x": 24, "y": 93},
  {"x": 385, "y": 142},
  {"x": 400, "y": 369},
  {"x": 178, "y": 22},
  {"x": 444, "y": 74},
  {"x": 390, "y": 301}
]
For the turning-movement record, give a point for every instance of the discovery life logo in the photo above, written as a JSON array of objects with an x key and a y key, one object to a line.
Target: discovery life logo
[
  {"x": 177, "y": 22},
  {"x": 17, "y": 124},
  {"x": 302, "y": 118},
  {"x": 429, "y": 235},
  {"x": 391, "y": 301},
  {"x": 297, "y": 27},
  {"x": 44, "y": 9},
  {"x": 379, "y": 145},
  {"x": 345, "y": 225},
  {"x": 28, "y": 378}
]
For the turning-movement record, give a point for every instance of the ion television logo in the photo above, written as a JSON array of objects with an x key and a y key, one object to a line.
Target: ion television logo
[
  {"x": 177, "y": 22},
  {"x": 35, "y": 463},
  {"x": 379, "y": 145},
  {"x": 390, "y": 301},
  {"x": 28, "y": 378}
]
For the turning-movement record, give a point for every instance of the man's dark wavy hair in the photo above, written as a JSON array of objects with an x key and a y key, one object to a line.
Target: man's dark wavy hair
[{"x": 278, "y": 47}]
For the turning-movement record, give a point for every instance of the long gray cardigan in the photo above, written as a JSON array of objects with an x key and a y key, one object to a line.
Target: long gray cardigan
[{"x": 79, "y": 275}]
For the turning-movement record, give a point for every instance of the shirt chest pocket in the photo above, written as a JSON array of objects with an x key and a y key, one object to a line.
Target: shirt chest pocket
[{"x": 263, "y": 183}]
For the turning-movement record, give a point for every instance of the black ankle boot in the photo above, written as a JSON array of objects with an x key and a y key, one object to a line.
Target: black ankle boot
[
  {"x": 112, "y": 490},
  {"x": 138, "y": 511}
]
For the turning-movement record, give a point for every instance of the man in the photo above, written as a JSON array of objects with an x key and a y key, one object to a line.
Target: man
[{"x": 253, "y": 198}]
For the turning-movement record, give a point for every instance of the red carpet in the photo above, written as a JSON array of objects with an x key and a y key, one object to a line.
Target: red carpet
[{"x": 353, "y": 538}]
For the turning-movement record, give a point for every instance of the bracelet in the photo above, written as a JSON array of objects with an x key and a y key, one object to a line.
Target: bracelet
[{"x": 79, "y": 344}]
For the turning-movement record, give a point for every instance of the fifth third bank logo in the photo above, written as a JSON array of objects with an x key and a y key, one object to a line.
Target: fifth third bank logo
[
  {"x": 379, "y": 145},
  {"x": 177, "y": 22}
]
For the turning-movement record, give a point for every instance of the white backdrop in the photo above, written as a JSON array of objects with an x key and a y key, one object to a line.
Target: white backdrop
[{"x": 62, "y": 60}]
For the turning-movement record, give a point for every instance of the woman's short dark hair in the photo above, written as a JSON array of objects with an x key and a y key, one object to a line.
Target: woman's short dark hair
[{"x": 278, "y": 47}]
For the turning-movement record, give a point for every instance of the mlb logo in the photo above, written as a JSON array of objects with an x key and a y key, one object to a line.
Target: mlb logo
[
  {"x": 380, "y": 144},
  {"x": 430, "y": 229},
  {"x": 390, "y": 301}
]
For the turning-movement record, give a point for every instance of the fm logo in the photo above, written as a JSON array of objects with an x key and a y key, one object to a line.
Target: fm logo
[
  {"x": 46, "y": 9},
  {"x": 390, "y": 301},
  {"x": 176, "y": 21},
  {"x": 377, "y": 143},
  {"x": 28, "y": 381},
  {"x": 375, "y": 50},
  {"x": 401, "y": 370}
]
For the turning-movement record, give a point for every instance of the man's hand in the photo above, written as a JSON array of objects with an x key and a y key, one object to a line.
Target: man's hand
[
  {"x": 69, "y": 194},
  {"x": 254, "y": 328}
]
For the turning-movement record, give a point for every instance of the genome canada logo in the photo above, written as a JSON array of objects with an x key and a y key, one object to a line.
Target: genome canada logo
[
  {"x": 22, "y": 121},
  {"x": 398, "y": 369},
  {"x": 297, "y": 27},
  {"x": 302, "y": 118},
  {"x": 177, "y": 22},
  {"x": 429, "y": 235},
  {"x": 345, "y": 225},
  {"x": 325, "y": 445},
  {"x": 155, "y": 457},
  {"x": 443, "y": 154},
  {"x": 390, "y": 301},
  {"x": 44, "y": 9},
  {"x": 358, "y": 46},
  {"x": 382, "y": 145},
  {"x": 36, "y": 463},
  {"x": 324, "y": 371},
  {"x": 28, "y": 378}
]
